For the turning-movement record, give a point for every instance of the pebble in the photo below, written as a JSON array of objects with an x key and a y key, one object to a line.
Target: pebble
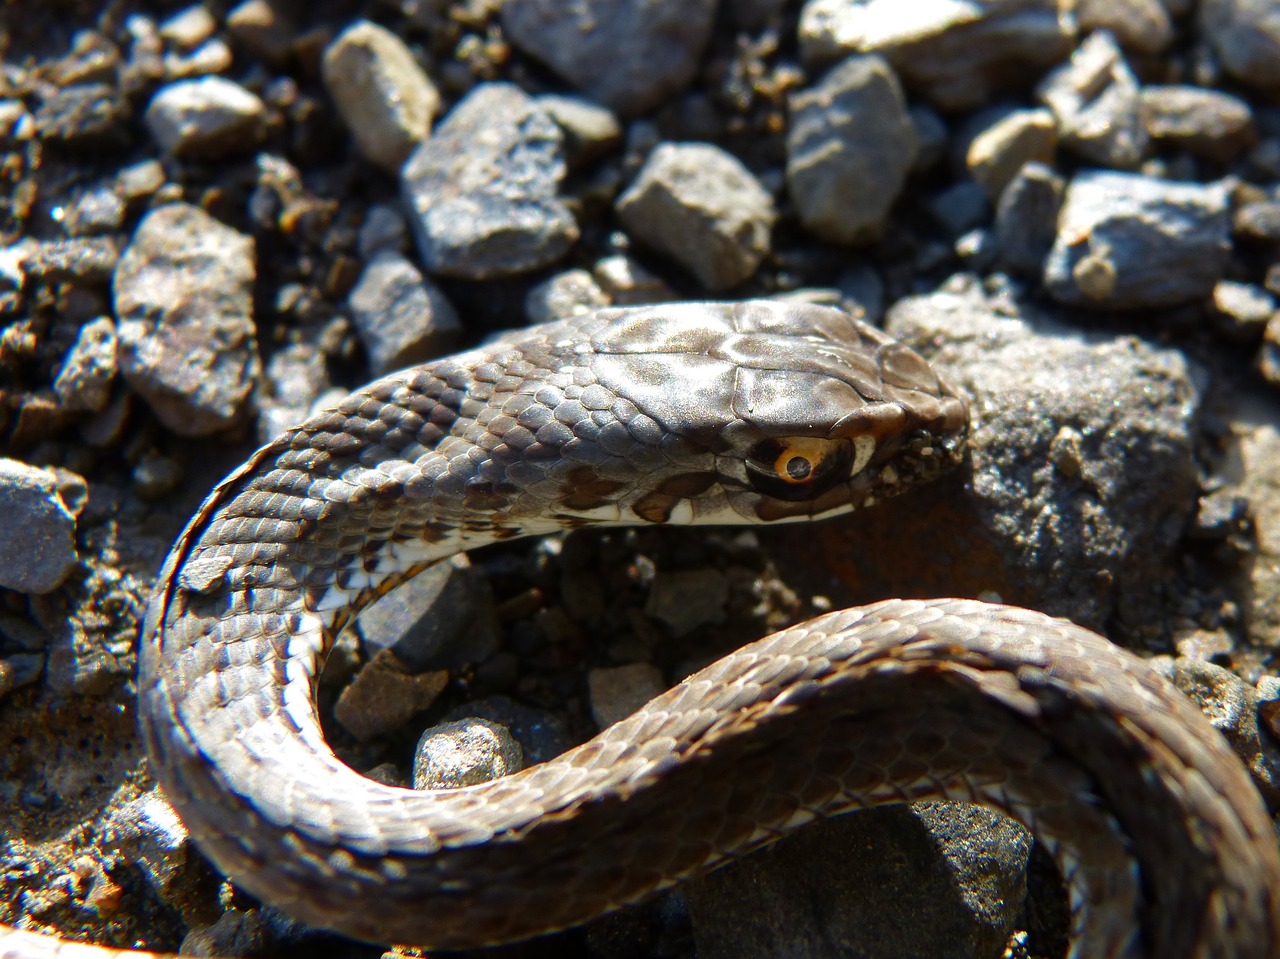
[
  {"x": 1246, "y": 36},
  {"x": 630, "y": 55},
  {"x": 466, "y": 752},
  {"x": 383, "y": 230},
  {"x": 295, "y": 379},
  {"x": 1205, "y": 123},
  {"x": 1002, "y": 149},
  {"x": 1098, "y": 105},
  {"x": 1026, "y": 219},
  {"x": 442, "y": 618},
  {"x": 849, "y": 148},
  {"x": 208, "y": 118},
  {"x": 1258, "y": 221},
  {"x": 960, "y": 207},
  {"x": 38, "y": 535},
  {"x": 148, "y": 834},
  {"x": 1127, "y": 241},
  {"x": 1142, "y": 26},
  {"x": 84, "y": 117},
  {"x": 590, "y": 130},
  {"x": 1241, "y": 311},
  {"x": 959, "y": 56},
  {"x": 689, "y": 598},
  {"x": 402, "y": 318},
  {"x": 571, "y": 293},
  {"x": 542, "y": 735},
  {"x": 188, "y": 28},
  {"x": 627, "y": 283},
  {"x": 619, "y": 691},
  {"x": 386, "y": 99},
  {"x": 184, "y": 300},
  {"x": 261, "y": 27},
  {"x": 83, "y": 383},
  {"x": 1268, "y": 362},
  {"x": 384, "y": 696},
  {"x": 482, "y": 192},
  {"x": 700, "y": 206}
]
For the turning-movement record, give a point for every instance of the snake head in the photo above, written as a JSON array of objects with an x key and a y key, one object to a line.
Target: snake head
[{"x": 772, "y": 411}]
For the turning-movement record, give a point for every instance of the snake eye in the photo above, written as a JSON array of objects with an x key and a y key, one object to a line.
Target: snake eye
[{"x": 801, "y": 467}]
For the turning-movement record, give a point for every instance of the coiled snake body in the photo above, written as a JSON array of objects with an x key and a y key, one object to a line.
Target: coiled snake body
[{"x": 702, "y": 413}]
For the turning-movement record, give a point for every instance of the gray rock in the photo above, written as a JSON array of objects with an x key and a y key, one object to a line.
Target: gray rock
[
  {"x": 629, "y": 55},
  {"x": 85, "y": 117},
  {"x": 850, "y": 147},
  {"x": 97, "y": 210},
  {"x": 188, "y": 28},
  {"x": 149, "y": 835},
  {"x": 1084, "y": 477},
  {"x": 999, "y": 151},
  {"x": 481, "y": 192},
  {"x": 18, "y": 670},
  {"x": 627, "y": 283},
  {"x": 385, "y": 98},
  {"x": 384, "y": 696},
  {"x": 1142, "y": 26},
  {"x": 958, "y": 55},
  {"x": 464, "y": 753},
  {"x": 1027, "y": 218},
  {"x": 383, "y": 229},
  {"x": 1205, "y": 123},
  {"x": 700, "y": 206},
  {"x": 183, "y": 296},
  {"x": 960, "y": 207},
  {"x": 542, "y": 735},
  {"x": 590, "y": 130},
  {"x": 566, "y": 294},
  {"x": 1231, "y": 705},
  {"x": 84, "y": 381},
  {"x": 38, "y": 535},
  {"x": 401, "y": 316},
  {"x": 943, "y": 880},
  {"x": 262, "y": 28},
  {"x": 296, "y": 377},
  {"x": 1246, "y": 36},
  {"x": 1258, "y": 446},
  {"x": 1098, "y": 106},
  {"x": 1258, "y": 220},
  {"x": 209, "y": 117},
  {"x": 619, "y": 691},
  {"x": 442, "y": 618},
  {"x": 1135, "y": 242},
  {"x": 689, "y": 598}
]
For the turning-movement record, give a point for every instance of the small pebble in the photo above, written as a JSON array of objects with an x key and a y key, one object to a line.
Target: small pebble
[{"x": 465, "y": 753}]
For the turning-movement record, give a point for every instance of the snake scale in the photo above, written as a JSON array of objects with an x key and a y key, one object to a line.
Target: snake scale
[{"x": 752, "y": 412}]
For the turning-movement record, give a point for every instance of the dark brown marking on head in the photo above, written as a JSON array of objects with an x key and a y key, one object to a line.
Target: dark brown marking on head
[
  {"x": 687, "y": 485},
  {"x": 584, "y": 489}
]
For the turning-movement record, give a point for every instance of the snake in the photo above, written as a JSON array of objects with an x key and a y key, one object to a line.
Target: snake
[{"x": 685, "y": 413}]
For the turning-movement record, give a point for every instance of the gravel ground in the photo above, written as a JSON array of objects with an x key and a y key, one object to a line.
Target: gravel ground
[{"x": 215, "y": 218}]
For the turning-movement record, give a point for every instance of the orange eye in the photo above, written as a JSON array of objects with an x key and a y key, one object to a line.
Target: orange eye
[{"x": 801, "y": 467}]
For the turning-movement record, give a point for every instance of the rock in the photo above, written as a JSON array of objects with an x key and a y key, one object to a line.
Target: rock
[
  {"x": 97, "y": 210},
  {"x": 630, "y": 55},
  {"x": 1246, "y": 36},
  {"x": 1269, "y": 356},
  {"x": 1241, "y": 311},
  {"x": 1142, "y": 26},
  {"x": 1084, "y": 476},
  {"x": 385, "y": 98},
  {"x": 1257, "y": 447},
  {"x": 933, "y": 879},
  {"x": 442, "y": 618},
  {"x": 84, "y": 117},
  {"x": 401, "y": 316},
  {"x": 209, "y": 117},
  {"x": 1098, "y": 106},
  {"x": 687, "y": 599},
  {"x": 1002, "y": 149},
  {"x": 542, "y": 735},
  {"x": 957, "y": 54},
  {"x": 1026, "y": 219},
  {"x": 700, "y": 206},
  {"x": 464, "y": 753},
  {"x": 262, "y": 28},
  {"x": 384, "y": 696},
  {"x": 1135, "y": 242},
  {"x": 83, "y": 383},
  {"x": 183, "y": 296},
  {"x": 627, "y": 283},
  {"x": 590, "y": 130},
  {"x": 188, "y": 28},
  {"x": 849, "y": 149},
  {"x": 383, "y": 230},
  {"x": 618, "y": 692},
  {"x": 1257, "y": 220},
  {"x": 482, "y": 191},
  {"x": 1205, "y": 123},
  {"x": 38, "y": 535},
  {"x": 571, "y": 293},
  {"x": 960, "y": 207},
  {"x": 1232, "y": 707},
  {"x": 296, "y": 378},
  {"x": 148, "y": 835}
]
